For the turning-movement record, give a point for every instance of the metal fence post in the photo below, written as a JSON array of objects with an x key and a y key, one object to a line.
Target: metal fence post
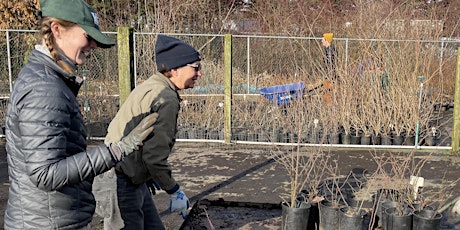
[
  {"x": 456, "y": 118},
  {"x": 10, "y": 75},
  {"x": 125, "y": 47},
  {"x": 228, "y": 88}
]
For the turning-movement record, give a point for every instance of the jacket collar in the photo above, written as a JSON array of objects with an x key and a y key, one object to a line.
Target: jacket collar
[
  {"x": 74, "y": 82},
  {"x": 166, "y": 80}
]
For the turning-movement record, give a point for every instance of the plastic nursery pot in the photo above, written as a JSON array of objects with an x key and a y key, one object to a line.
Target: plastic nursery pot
[
  {"x": 409, "y": 140},
  {"x": 385, "y": 140},
  {"x": 398, "y": 139},
  {"x": 382, "y": 214},
  {"x": 376, "y": 139},
  {"x": 313, "y": 217},
  {"x": 398, "y": 219},
  {"x": 328, "y": 216},
  {"x": 430, "y": 141},
  {"x": 345, "y": 138},
  {"x": 417, "y": 207},
  {"x": 365, "y": 140},
  {"x": 295, "y": 217},
  {"x": 351, "y": 219},
  {"x": 334, "y": 138},
  {"x": 426, "y": 219},
  {"x": 355, "y": 140},
  {"x": 382, "y": 196}
]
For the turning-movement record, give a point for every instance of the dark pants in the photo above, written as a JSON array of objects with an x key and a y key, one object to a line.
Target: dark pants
[{"x": 136, "y": 206}]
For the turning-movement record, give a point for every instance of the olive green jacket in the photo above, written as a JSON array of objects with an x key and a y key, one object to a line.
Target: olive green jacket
[{"x": 156, "y": 95}]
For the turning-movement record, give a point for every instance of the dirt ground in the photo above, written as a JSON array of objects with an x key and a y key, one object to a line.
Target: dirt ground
[{"x": 248, "y": 173}]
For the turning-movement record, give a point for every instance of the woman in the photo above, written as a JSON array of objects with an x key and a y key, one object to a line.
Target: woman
[{"x": 50, "y": 170}]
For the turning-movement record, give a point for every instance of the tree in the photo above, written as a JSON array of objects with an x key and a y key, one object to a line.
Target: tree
[{"x": 19, "y": 14}]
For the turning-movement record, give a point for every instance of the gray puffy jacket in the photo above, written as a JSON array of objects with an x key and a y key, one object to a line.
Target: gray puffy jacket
[{"x": 50, "y": 171}]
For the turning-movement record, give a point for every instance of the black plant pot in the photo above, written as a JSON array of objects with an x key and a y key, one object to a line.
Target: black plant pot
[
  {"x": 350, "y": 219},
  {"x": 398, "y": 219},
  {"x": 285, "y": 138},
  {"x": 328, "y": 216},
  {"x": 382, "y": 209},
  {"x": 365, "y": 140},
  {"x": 293, "y": 138},
  {"x": 313, "y": 138},
  {"x": 275, "y": 135},
  {"x": 264, "y": 137},
  {"x": 376, "y": 139},
  {"x": 214, "y": 134},
  {"x": 385, "y": 140},
  {"x": 313, "y": 217},
  {"x": 191, "y": 133},
  {"x": 334, "y": 138},
  {"x": 398, "y": 139},
  {"x": 416, "y": 206},
  {"x": 355, "y": 140},
  {"x": 426, "y": 219},
  {"x": 253, "y": 136},
  {"x": 430, "y": 140},
  {"x": 201, "y": 133},
  {"x": 345, "y": 138},
  {"x": 295, "y": 217},
  {"x": 181, "y": 134},
  {"x": 409, "y": 140}
]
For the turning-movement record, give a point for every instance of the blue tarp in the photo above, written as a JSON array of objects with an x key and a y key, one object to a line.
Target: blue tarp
[{"x": 283, "y": 94}]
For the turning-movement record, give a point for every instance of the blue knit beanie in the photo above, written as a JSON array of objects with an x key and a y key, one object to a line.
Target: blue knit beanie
[{"x": 173, "y": 53}]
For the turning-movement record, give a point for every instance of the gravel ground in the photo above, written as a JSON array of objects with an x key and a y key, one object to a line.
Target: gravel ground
[{"x": 248, "y": 173}]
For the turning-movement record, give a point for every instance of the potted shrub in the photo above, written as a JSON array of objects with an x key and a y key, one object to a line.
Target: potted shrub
[
  {"x": 302, "y": 168},
  {"x": 334, "y": 196}
]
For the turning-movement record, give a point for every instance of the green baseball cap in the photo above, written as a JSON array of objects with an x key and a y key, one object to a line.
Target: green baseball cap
[{"x": 79, "y": 12}]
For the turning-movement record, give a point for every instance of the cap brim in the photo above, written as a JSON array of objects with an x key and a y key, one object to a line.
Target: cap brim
[{"x": 102, "y": 40}]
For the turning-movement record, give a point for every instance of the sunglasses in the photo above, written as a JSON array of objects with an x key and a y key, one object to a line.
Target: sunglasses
[
  {"x": 89, "y": 38},
  {"x": 195, "y": 67}
]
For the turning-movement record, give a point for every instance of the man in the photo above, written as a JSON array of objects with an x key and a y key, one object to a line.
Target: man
[
  {"x": 330, "y": 54},
  {"x": 179, "y": 67}
]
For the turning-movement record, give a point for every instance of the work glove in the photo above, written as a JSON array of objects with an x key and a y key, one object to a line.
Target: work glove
[
  {"x": 179, "y": 202},
  {"x": 134, "y": 139}
]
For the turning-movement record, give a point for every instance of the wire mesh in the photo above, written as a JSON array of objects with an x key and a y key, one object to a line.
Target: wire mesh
[{"x": 263, "y": 61}]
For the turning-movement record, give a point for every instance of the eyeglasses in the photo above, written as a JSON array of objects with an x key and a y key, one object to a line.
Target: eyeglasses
[{"x": 195, "y": 67}]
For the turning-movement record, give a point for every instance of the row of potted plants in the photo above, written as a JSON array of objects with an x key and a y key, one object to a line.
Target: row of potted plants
[
  {"x": 282, "y": 136},
  {"x": 320, "y": 198},
  {"x": 387, "y": 213}
]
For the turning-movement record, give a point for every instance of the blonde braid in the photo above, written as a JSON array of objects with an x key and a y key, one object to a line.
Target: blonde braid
[{"x": 48, "y": 39}]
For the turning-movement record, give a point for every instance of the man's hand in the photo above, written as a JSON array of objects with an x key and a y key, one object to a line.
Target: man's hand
[
  {"x": 179, "y": 203},
  {"x": 134, "y": 139}
]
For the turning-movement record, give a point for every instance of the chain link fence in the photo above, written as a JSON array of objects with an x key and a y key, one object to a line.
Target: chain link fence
[{"x": 257, "y": 62}]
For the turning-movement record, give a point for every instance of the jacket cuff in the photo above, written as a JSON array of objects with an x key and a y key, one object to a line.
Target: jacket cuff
[
  {"x": 173, "y": 189},
  {"x": 114, "y": 159}
]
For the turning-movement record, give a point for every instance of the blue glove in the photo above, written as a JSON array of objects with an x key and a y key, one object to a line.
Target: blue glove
[{"x": 179, "y": 202}]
